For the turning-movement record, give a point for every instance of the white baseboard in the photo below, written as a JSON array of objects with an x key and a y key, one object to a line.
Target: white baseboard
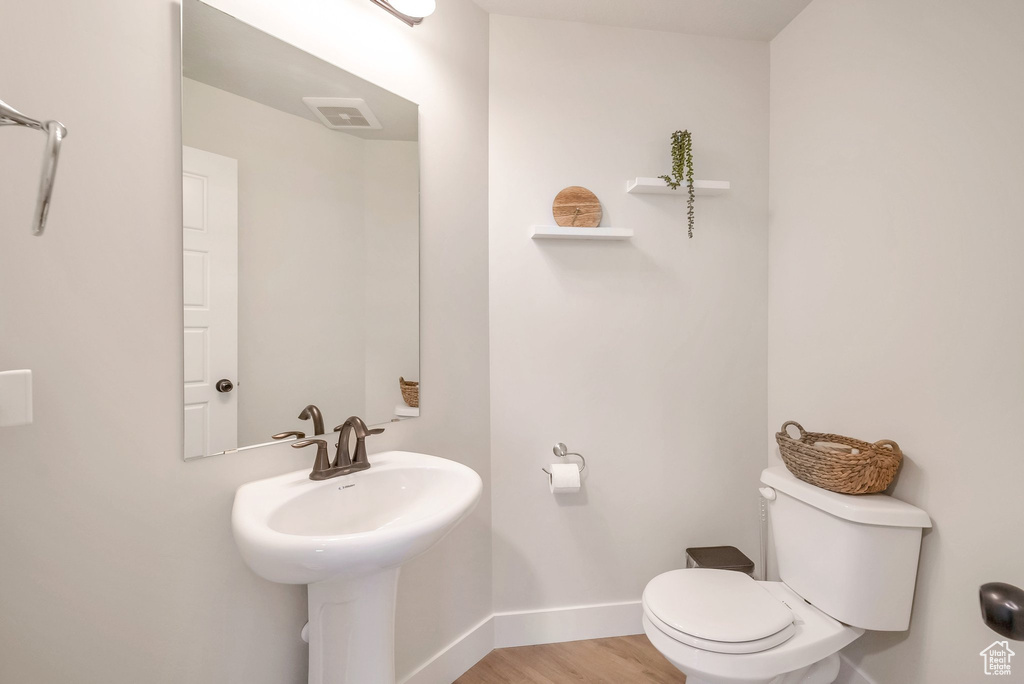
[
  {"x": 454, "y": 660},
  {"x": 526, "y": 628},
  {"x": 850, "y": 673},
  {"x": 529, "y": 627}
]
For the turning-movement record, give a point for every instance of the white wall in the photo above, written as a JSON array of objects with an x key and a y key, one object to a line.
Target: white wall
[
  {"x": 647, "y": 356},
  {"x": 328, "y": 261},
  {"x": 895, "y": 281},
  {"x": 301, "y": 260},
  {"x": 118, "y": 564},
  {"x": 391, "y": 195}
]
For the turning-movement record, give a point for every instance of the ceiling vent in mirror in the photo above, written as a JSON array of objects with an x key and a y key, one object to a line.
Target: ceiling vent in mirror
[{"x": 342, "y": 113}]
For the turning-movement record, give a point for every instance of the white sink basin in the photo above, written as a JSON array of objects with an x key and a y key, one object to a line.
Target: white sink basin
[
  {"x": 346, "y": 537},
  {"x": 294, "y": 530}
]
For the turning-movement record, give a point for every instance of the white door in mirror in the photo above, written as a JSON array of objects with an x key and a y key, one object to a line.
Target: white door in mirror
[
  {"x": 15, "y": 398},
  {"x": 210, "y": 259}
]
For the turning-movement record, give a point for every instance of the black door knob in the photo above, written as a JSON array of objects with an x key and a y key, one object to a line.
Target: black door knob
[
  {"x": 224, "y": 385},
  {"x": 1002, "y": 608}
]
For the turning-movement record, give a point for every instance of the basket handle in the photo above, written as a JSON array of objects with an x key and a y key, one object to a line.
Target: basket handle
[
  {"x": 891, "y": 444},
  {"x": 785, "y": 429}
]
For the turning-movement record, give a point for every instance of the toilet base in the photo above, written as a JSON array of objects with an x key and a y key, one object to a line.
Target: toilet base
[
  {"x": 822, "y": 672},
  {"x": 810, "y": 656}
]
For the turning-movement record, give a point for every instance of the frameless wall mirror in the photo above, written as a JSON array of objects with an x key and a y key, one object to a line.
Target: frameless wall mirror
[{"x": 300, "y": 203}]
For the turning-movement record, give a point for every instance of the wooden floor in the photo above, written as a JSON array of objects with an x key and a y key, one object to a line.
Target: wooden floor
[{"x": 619, "y": 660}]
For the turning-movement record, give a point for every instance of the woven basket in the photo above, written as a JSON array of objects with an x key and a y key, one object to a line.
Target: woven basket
[
  {"x": 410, "y": 392},
  {"x": 836, "y": 467}
]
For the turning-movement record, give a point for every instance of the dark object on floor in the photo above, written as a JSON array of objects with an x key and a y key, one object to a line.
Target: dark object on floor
[{"x": 720, "y": 558}]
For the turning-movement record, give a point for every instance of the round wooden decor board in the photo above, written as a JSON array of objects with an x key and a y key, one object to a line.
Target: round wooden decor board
[{"x": 577, "y": 207}]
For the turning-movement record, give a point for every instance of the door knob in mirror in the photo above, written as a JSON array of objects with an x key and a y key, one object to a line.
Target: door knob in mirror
[{"x": 224, "y": 385}]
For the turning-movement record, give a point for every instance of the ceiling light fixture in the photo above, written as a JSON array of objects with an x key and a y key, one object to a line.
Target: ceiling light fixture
[{"x": 409, "y": 11}]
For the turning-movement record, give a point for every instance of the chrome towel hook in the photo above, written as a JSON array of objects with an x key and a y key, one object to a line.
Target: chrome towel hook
[{"x": 55, "y": 132}]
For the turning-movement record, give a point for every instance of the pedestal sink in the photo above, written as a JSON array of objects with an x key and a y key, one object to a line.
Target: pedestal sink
[{"x": 347, "y": 538}]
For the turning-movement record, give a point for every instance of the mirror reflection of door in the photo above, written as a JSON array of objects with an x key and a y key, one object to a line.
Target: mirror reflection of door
[
  {"x": 210, "y": 257},
  {"x": 309, "y": 291}
]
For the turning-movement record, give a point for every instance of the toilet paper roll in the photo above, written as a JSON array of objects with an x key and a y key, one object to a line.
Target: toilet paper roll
[{"x": 565, "y": 477}]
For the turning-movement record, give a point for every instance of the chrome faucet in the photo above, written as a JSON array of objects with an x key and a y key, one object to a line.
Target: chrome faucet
[
  {"x": 342, "y": 459},
  {"x": 323, "y": 468}
]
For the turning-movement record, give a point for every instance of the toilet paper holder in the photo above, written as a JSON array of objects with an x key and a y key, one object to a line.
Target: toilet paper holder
[{"x": 562, "y": 451}]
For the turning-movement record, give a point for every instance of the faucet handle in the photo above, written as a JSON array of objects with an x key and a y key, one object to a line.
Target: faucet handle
[
  {"x": 377, "y": 431},
  {"x": 289, "y": 433},
  {"x": 359, "y": 426},
  {"x": 322, "y": 463}
]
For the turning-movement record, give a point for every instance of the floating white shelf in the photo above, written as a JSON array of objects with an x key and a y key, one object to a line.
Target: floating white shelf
[
  {"x": 403, "y": 411},
  {"x": 656, "y": 186},
  {"x": 570, "y": 233}
]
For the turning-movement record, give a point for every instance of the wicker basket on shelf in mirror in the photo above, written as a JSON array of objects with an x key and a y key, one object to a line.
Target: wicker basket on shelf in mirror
[
  {"x": 410, "y": 392},
  {"x": 837, "y": 463}
]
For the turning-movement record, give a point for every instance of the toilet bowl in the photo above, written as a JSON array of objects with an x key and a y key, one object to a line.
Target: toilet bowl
[
  {"x": 847, "y": 564},
  {"x": 722, "y": 627}
]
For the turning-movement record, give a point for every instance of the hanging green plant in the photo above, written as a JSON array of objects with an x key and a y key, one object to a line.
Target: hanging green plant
[{"x": 682, "y": 171}]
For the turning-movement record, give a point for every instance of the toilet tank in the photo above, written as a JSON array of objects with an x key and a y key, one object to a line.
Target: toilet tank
[{"x": 853, "y": 557}]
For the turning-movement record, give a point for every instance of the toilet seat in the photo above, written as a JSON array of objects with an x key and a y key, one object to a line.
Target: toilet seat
[
  {"x": 817, "y": 636},
  {"x": 721, "y": 611},
  {"x": 728, "y": 647}
]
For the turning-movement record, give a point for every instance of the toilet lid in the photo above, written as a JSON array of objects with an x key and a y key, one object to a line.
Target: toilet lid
[{"x": 717, "y": 606}]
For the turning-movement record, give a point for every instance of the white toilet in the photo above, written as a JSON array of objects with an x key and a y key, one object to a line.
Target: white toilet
[{"x": 847, "y": 564}]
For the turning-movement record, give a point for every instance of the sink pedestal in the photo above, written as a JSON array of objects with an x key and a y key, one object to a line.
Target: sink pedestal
[
  {"x": 352, "y": 629},
  {"x": 345, "y": 538}
]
